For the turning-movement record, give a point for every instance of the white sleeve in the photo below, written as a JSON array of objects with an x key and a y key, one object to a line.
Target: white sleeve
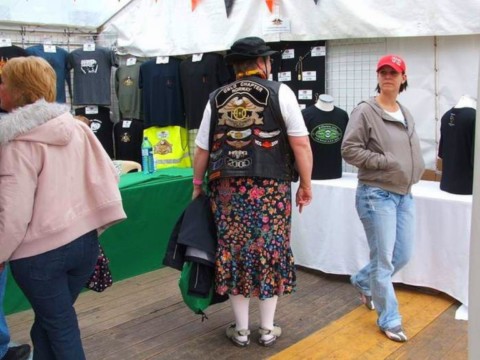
[
  {"x": 292, "y": 115},
  {"x": 203, "y": 135}
]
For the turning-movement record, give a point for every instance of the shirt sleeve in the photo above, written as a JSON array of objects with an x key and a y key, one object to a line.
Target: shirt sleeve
[
  {"x": 203, "y": 135},
  {"x": 291, "y": 113}
]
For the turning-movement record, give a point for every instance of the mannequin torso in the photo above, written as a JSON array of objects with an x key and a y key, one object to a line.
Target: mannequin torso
[
  {"x": 466, "y": 101},
  {"x": 325, "y": 102}
]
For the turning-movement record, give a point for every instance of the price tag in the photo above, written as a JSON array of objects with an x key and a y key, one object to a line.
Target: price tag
[
  {"x": 49, "y": 48},
  {"x": 270, "y": 77},
  {"x": 302, "y": 106},
  {"x": 4, "y": 42},
  {"x": 309, "y": 76},
  {"x": 91, "y": 110},
  {"x": 162, "y": 60},
  {"x": 131, "y": 61},
  {"x": 305, "y": 94},
  {"x": 126, "y": 124},
  {"x": 319, "y": 51},
  {"x": 288, "y": 54},
  {"x": 197, "y": 57},
  {"x": 285, "y": 76},
  {"x": 89, "y": 47}
]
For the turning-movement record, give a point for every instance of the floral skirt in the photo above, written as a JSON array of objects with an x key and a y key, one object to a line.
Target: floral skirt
[{"x": 253, "y": 217}]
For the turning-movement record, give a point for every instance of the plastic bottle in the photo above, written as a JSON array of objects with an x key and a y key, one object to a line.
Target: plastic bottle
[{"x": 148, "y": 162}]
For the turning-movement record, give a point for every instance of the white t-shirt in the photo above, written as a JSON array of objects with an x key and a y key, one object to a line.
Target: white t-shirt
[
  {"x": 397, "y": 115},
  {"x": 289, "y": 108}
]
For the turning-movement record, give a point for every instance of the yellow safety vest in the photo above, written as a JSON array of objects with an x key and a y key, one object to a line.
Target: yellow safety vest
[{"x": 170, "y": 146}]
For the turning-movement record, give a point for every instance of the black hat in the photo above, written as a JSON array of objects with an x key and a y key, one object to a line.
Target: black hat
[{"x": 248, "y": 48}]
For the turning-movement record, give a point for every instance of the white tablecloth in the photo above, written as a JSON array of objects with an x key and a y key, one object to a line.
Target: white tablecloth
[{"x": 329, "y": 236}]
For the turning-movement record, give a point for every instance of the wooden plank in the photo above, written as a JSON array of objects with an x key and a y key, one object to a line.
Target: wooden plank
[{"x": 356, "y": 334}]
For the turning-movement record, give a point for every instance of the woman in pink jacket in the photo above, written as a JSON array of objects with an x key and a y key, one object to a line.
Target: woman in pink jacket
[{"x": 57, "y": 188}]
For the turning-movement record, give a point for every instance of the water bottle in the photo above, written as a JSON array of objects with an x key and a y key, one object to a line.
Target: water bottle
[{"x": 148, "y": 162}]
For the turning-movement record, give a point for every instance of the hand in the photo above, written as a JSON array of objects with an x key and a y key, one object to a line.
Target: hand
[
  {"x": 197, "y": 190},
  {"x": 303, "y": 197}
]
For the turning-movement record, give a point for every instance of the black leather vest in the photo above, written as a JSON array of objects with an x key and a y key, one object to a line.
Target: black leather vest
[{"x": 248, "y": 136}]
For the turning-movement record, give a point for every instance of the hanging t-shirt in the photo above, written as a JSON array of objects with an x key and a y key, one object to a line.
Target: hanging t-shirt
[
  {"x": 59, "y": 61},
  {"x": 199, "y": 79},
  {"x": 128, "y": 135},
  {"x": 128, "y": 91},
  {"x": 91, "y": 75},
  {"x": 162, "y": 93},
  {"x": 101, "y": 125},
  {"x": 170, "y": 146},
  {"x": 326, "y": 130},
  {"x": 456, "y": 149}
]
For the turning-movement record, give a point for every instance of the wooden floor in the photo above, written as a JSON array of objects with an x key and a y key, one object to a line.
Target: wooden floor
[{"x": 145, "y": 318}]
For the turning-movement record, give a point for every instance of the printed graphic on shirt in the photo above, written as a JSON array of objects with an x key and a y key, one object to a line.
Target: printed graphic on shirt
[
  {"x": 326, "y": 134},
  {"x": 89, "y": 66}
]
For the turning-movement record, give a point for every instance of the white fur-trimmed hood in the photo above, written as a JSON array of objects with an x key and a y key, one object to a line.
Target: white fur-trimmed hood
[{"x": 25, "y": 119}]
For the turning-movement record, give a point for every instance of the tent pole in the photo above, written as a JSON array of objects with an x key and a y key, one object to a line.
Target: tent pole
[{"x": 474, "y": 273}]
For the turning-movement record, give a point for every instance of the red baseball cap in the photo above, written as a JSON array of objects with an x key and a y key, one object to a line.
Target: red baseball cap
[{"x": 393, "y": 61}]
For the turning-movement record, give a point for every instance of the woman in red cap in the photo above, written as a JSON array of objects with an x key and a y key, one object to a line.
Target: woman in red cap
[{"x": 380, "y": 140}]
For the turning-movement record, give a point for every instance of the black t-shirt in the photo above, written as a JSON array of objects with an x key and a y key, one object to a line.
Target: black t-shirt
[
  {"x": 199, "y": 79},
  {"x": 326, "y": 130},
  {"x": 162, "y": 93},
  {"x": 128, "y": 140},
  {"x": 101, "y": 125},
  {"x": 456, "y": 149}
]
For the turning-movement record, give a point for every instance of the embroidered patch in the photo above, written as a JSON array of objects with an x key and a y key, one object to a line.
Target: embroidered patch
[
  {"x": 217, "y": 164},
  {"x": 215, "y": 155},
  {"x": 266, "y": 144},
  {"x": 238, "y": 144},
  {"x": 239, "y": 164},
  {"x": 266, "y": 134},
  {"x": 239, "y": 134},
  {"x": 238, "y": 154}
]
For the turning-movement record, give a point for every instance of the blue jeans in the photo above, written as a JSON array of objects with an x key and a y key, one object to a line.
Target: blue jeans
[
  {"x": 52, "y": 282},
  {"x": 4, "y": 334},
  {"x": 389, "y": 223}
]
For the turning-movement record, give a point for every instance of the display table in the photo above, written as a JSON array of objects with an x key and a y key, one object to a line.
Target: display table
[
  {"x": 329, "y": 236},
  {"x": 137, "y": 245}
]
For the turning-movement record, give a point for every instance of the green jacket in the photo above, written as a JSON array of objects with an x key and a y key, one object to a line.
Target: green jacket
[{"x": 386, "y": 152}]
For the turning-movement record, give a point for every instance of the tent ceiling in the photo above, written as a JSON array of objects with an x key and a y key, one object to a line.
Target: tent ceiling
[{"x": 72, "y": 13}]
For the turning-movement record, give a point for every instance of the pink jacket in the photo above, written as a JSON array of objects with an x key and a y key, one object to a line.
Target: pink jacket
[{"x": 56, "y": 181}]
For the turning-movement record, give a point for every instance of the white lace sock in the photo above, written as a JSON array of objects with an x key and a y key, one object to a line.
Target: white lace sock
[
  {"x": 240, "y": 305},
  {"x": 267, "y": 314}
]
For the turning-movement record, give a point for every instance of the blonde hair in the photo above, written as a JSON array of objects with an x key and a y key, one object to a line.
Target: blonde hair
[{"x": 29, "y": 79}]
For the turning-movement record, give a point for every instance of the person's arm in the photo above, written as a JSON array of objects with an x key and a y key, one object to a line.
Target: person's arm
[
  {"x": 354, "y": 144},
  {"x": 201, "y": 156},
  {"x": 18, "y": 183},
  {"x": 304, "y": 161}
]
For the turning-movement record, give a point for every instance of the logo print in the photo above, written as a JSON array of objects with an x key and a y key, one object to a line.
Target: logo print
[
  {"x": 89, "y": 66},
  {"x": 326, "y": 134}
]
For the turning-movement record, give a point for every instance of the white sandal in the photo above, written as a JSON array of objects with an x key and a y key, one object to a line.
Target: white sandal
[
  {"x": 233, "y": 334},
  {"x": 275, "y": 333}
]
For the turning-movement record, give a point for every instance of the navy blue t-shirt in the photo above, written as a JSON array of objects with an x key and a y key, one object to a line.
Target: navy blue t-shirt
[
  {"x": 162, "y": 93},
  {"x": 59, "y": 61}
]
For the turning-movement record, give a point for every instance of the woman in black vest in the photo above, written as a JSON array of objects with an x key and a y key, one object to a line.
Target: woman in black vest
[{"x": 251, "y": 134}]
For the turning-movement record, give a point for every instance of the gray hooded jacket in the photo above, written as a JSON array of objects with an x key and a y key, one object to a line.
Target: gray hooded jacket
[{"x": 386, "y": 152}]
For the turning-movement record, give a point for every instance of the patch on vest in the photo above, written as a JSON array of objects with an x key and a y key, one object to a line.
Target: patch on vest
[
  {"x": 241, "y": 104},
  {"x": 326, "y": 134}
]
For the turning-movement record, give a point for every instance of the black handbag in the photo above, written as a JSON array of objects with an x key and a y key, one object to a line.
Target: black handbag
[{"x": 101, "y": 277}]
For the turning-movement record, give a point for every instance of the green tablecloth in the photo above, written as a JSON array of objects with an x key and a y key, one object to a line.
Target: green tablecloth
[{"x": 137, "y": 245}]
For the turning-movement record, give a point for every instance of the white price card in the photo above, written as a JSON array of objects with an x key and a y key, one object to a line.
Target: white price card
[
  {"x": 131, "y": 61},
  {"x": 89, "y": 47},
  {"x": 91, "y": 110},
  {"x": 305, "y": 94},
  {"x": 126, "y": 124},
  {"x": 4, "y": 42},
  {"x": 319, "y": 51},
  {"x": 270, "y": 77},
  {"x": 197, "y": 57},
  {"x": 309, "y": 75},
  {"x": 49, "y": 48},
  {"x": 288, "y": 54},
  {"x": 162, "y": 60},
  {"x": 285, "y": 76},
  {"x": 302, "y": 106}
]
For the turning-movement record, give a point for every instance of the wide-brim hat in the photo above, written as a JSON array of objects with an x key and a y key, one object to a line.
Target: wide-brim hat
[{"x": 248, "y": 48}]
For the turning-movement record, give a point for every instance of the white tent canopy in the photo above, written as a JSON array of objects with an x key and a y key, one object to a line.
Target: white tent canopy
[{"x": 170, "y": 27}]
